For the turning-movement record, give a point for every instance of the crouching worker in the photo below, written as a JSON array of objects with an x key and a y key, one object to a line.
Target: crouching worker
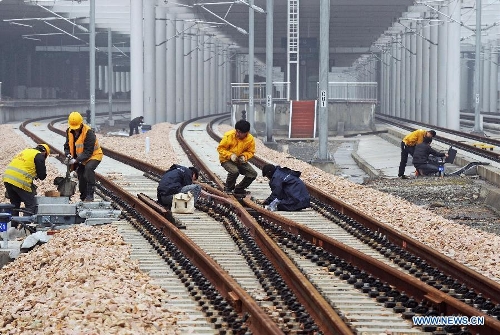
[
  {"x": 178, "y": 179},
  {"x": 18, "y": 178},
  {"x": 287, "y": 189},
  {"x": 422, "y": 162},
  {"x": 235, "y": 149}
]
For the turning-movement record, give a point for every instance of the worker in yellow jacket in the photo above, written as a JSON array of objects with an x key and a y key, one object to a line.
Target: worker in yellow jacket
[
  {"x": 83, "y": 154},
  {"x": 408, "y": 145},
  {"x": 235, "y": 149},
  {"x": 18, "y": 178}
]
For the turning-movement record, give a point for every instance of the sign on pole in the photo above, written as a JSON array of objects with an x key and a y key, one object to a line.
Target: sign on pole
[{"x": 323, "y": 98}]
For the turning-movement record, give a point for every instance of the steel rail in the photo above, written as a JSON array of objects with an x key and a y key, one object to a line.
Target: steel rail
[
  {"x": 481, "y": 284},
  {"x": 259, "y": 322},
  {"x": 494, "y": 156},
  {"x": 445, "y": 302},
  {"x": 320, "y": 310}
]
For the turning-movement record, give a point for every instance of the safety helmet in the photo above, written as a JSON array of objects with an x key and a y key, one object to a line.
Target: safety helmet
[
  {"x": 75, "y": 120},
  {"x": 44, "y": 148}
]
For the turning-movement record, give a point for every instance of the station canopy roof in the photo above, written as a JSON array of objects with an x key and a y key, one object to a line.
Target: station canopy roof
[{"x": 355, "y": 25}]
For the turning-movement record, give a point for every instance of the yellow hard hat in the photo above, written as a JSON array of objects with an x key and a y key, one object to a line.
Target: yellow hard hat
[
  {"x": 44, "y": 148},
  {"x": 75, "y": 120}
]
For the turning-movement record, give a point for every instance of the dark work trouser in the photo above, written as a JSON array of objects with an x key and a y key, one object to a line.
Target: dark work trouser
[
  {"x": 86, "y": 178},
  {"x": 234, "y": 170},
  {"x": 405, "y": 151},
  {"x": 133, "y": 129},
  {"x": 18, "y": 195},
  {"x": 427, "y": 168}
]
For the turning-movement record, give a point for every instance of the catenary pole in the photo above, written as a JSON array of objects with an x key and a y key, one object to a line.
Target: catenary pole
[
  {"x": 92, "y": 64},
  {"x": 478, "y": 127},
  {"x": 324, "y": 38},
  {"x": 269, "y": 70}
]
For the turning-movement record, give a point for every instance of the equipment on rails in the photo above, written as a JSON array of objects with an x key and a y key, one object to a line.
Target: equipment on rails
[
  {"x": 53, "y": 213},
  {"x": 441, "y": 161}
]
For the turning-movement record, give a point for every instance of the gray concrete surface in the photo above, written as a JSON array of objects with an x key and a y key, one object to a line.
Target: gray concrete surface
[{"x": 25, "y": 110}]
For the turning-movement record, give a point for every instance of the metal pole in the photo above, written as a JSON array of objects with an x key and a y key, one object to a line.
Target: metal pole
[
  {"x": 324, "y": 23},
  {"x": 110, "y": 76},
  {"x": 136, "y": 59},
  {"x": 251, "y": 109},
  {"x": 92, "y": 64},
  {"x": 269, "y": 70},
  {"x": 478, "y": 127}
]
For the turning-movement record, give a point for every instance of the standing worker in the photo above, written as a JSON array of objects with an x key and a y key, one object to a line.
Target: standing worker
[
  {"x": 235, "y": 149},
  {"x": 18, "y": 178},
  {"x": 83, "y": 153},
  {"x": 408, "y": 147},
  {"x": 288, "y": 191},
  {"x": 134, "y": 125}
]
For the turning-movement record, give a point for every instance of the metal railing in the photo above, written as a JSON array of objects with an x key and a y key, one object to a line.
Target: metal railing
[
  {"x": 240, "y": 92},
  {"x": 352, "y": 91}
]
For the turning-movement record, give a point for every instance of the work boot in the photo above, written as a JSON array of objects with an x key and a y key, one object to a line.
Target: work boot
[
  {"x": 90, "y": 194},
  {"x": 240, "y": 191},
  {"x": 245, "y": 182}
]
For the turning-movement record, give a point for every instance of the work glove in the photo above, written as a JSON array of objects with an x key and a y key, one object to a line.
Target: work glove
[
  {"x": 71, "y": 161},
  {"x": 234, "y": 158},
  {"x": 242, "y": 159}
]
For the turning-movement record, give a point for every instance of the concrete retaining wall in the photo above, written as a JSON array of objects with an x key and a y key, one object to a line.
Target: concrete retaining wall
[{"x": 31, "y": 109}]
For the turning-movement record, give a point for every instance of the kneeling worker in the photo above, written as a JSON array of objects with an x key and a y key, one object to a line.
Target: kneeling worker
[
  {"x": 421, "y": 160},
  {"x": 408, "y": 145},
  {"x": 287, "y": 188},
  {"x": 178, "y": 179}
]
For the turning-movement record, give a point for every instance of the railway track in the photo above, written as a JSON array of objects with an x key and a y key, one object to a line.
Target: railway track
[
  {"x": 265, "y": 293},
  {"x": 458, "y": 139}
]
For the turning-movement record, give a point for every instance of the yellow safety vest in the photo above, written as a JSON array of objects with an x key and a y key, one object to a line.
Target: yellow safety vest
[
  {"x": 21, "y": 171},
  {"x": 78, "y": 145}
]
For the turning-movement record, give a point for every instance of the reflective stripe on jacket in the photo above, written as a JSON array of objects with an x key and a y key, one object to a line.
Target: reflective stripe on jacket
[
  {"x": 230, "y": 144},
  {"x": 79, "y": 145},
  {"x": 21, "y": 171}
]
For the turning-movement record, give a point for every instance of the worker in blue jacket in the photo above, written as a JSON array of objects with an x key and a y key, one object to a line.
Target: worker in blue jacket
[
  {"x": 178, "y": 179},
  {"x": 287, "y": 189}
]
